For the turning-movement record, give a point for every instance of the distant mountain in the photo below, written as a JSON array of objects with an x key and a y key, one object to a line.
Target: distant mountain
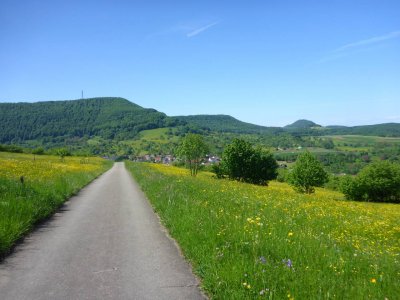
[
  {"x": 225, "y": 123},
  {"x": 302, "y": 124},
  {"x": 117, "y": 118},
  {"x": 386, "y": 129},
  {"x": 335, "y": 126},
  {"x": 106, "y": 117},
  {"x": 311, "y": 128}
]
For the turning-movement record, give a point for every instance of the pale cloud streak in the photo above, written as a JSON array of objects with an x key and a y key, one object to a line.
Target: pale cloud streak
[
  {"x": 360, "y": 46},
  {"x": 200, "y": 30},
  {"x": 367, "y": 42}
]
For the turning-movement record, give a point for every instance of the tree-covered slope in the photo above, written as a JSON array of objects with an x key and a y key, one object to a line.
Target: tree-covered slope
[
  {"x": 386, "y": 129},
  {"x": 105, "y": 117},
  {"x": 302, "y": 124},
  {"x": 117, "y": 118},
  {"x": 225, "y": 123},
  {"x": 306, "y": 127}
]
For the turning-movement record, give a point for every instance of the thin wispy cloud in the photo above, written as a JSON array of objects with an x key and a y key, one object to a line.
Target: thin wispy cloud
[
  {"x": 360, "y": 46},
  {"x": 200, "y": 30},
  {"x": 187, "y": 29},
  {"x": 367, "y": 42}
]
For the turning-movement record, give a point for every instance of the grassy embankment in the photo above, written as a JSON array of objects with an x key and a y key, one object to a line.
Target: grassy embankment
[
  {"x": 47, "y": 183},
  {"x": 248, "y": 241}
]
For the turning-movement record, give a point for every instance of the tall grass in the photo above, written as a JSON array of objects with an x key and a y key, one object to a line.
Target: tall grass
[
  {"x": 32, "y": 188},
  {"x": 249, "y": 242}
]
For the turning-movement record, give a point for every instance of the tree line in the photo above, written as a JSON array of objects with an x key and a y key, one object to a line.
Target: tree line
[{"x": 241, "y": 161}]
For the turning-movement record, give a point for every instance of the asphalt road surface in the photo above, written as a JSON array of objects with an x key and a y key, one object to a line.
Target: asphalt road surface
[{"x": 105, "y": 243}]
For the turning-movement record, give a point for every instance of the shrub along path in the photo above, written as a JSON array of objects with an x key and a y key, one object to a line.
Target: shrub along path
[{"x": 105, "y": 244}]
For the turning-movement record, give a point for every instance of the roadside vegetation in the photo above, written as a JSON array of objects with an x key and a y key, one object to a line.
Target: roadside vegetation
[
  {"x": 32, "y": 187},
  {"x": 192, "y": 150},
  {"x": 254, "y": 242}
]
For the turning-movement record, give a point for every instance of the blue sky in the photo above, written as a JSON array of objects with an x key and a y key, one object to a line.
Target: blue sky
[{"x": 264, "y": 62}]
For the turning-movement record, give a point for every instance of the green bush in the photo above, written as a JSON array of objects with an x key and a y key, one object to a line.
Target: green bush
[
  {"x": 282, "y": 175},
  {"x": 333, "y": 183},
  {"x": 307, "y": 173},
  {"x": 62, "y": 152},
  {"x": 378, "y": 182},
  {"x": 351, "y": 188},
  {"x": 243, "y": 162},
  {"x": 218, "y": 170},
  {"x": 11, "y": 148},
  {"x": 38, "y": 151}
]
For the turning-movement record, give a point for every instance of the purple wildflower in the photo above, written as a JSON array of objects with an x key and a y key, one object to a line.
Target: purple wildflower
[
  {"x": 263, "y": 260},
  {"x": 288, "y": 263}
]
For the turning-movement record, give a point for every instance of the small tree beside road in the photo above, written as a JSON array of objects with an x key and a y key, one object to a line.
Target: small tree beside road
[{"x": 192, "y": 150}]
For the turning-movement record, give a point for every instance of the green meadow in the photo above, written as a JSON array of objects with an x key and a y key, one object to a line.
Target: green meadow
[
  {"x": 33, "y": 187},
  {"x": 253, "y": 242}
]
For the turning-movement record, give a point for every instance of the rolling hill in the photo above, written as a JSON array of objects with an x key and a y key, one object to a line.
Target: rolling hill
[
  {"x": 109, "y": 118},
  {"x": 225, "y": 123},
  {"x": 302, "y": 124},
  {"x": 113, "y": 118},
  {"x": 386, "y": 129}
]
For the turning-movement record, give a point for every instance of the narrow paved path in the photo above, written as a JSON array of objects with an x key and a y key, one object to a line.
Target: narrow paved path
[{"x": 106, "y": 243}]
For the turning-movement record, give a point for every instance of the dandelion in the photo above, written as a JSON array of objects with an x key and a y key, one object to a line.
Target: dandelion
[
  {"x": 373, "y": 280},
  {"x": 290, "y": 233}
]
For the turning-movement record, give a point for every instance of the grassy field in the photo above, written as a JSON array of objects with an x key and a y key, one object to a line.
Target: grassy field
[
  {"x": 250, "y": 242},
  {"x": 157, "y": 136},
  {"x": 360, "y": 142},
  {"x": 32, "y": 188}
]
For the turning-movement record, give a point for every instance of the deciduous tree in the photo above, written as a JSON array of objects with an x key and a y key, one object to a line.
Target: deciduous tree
[
  {"x": 307, "y": 173},
  {"x": 379, "y": 182},
  {"x": 192, "y": 150},
  {"x": 243, "y": 162}
]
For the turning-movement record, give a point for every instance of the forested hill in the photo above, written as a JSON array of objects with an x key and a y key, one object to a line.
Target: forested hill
[
  {"x": 225, "y": 123},
  {"x": 106, "y": 117},
  {"x": 302, "y": 124},
  {"x": 386, "y": 129},
  {"x": 118, "y": 118}
]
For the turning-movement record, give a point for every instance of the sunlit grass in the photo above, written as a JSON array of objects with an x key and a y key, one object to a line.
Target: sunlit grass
[
  {"x": 248, "y": 241},
  {"x": 33, "y": 187},
  {"x": 360, "y": 142}
]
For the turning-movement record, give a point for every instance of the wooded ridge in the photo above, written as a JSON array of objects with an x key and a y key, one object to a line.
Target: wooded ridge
[{"x": 118, "y": 118}]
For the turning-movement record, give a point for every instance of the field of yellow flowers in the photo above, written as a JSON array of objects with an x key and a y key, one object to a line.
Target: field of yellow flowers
[
  {"x": 252, "y": 242},
  {"x": 33, "y": 187}
]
